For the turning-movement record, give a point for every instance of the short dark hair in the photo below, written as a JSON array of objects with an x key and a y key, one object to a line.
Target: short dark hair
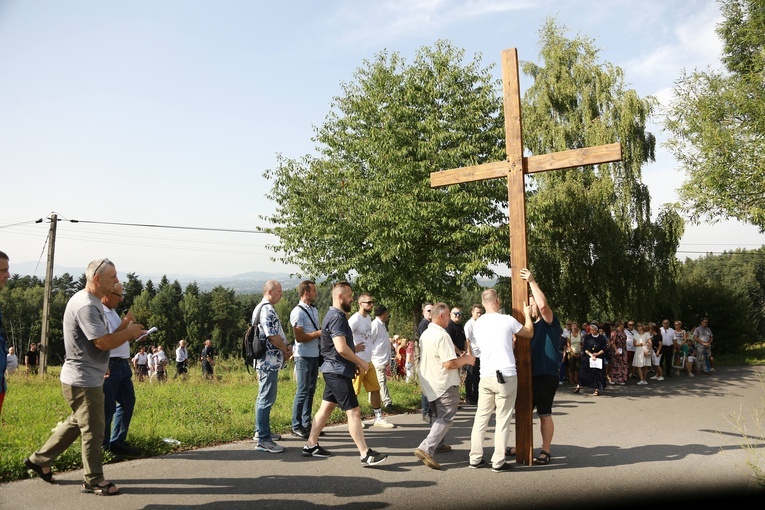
[
  {"x": 305, "y": 286},
  {"x": 3, "y": 256}
]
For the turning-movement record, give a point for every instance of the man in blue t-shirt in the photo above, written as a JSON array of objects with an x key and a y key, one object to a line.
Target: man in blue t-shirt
[
  {"x": 545, "y": 362},
  {"x": 340, "y": 366}
]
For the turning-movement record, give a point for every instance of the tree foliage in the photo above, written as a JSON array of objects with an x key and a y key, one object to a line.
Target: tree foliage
[
  {"x": 729, "y": 289},
  {"x": 717, "y": 122},
  {"x": 591, "y": 237},
  {"x": 364, "y": 208}
]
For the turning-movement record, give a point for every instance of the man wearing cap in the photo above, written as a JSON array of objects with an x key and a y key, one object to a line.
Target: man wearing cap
[
  {"x": 381, "y": 355},
  {"x": 361, "y": 325}
]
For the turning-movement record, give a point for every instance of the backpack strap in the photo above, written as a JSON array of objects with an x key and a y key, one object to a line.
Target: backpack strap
[{"x": 255, "y": 321}]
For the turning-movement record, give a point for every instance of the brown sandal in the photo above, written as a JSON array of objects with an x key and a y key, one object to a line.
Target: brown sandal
[
  {"x": 48, "y": 477},
  {"x": 100, "y": 490}
]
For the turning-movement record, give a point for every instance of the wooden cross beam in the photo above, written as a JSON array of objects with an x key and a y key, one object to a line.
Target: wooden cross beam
[{"x": 514, "y": 168}]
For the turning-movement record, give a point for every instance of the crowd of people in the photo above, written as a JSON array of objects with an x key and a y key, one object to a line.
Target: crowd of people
[
  {"x": 602, "y": 353},
  {"x": 354, "y": 352}
]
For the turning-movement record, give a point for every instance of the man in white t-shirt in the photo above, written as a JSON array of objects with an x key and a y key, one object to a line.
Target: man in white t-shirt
[
  {"x": 667, "y": 347},
  {"x": 472, "y": 377},
  {"x": 119, "y": 393},
  {"x": 630, "y": 332},
  {"x": 498, "y": 388},
  {"x": 361, "y": 325},
  {"x": 381, "y": 354},
  {"x": 440, "y": 378}
]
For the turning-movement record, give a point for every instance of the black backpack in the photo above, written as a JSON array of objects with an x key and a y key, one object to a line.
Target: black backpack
[{"x": 253, "y": 343}]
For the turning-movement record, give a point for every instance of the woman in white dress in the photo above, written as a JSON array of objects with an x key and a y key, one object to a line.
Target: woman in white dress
[{"x": 643, "y": 352}]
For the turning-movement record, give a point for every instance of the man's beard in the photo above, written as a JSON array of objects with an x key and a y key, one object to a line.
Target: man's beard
[{"x": 346, "y": 307}]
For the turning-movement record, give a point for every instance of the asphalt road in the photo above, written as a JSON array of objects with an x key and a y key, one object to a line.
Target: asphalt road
[{"x": 666, "y": 444}]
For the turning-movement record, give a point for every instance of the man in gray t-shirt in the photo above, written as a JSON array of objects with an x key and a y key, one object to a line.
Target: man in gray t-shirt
[{"x": 87, "y": 343}]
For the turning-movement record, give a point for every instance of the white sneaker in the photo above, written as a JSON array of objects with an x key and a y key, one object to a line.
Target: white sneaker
[
  {"x": 659, "y": 378},
  {"x": 655, "y": 377},
  {"x": 383, "y": 423},
  {"x": 691, "y": 375}
]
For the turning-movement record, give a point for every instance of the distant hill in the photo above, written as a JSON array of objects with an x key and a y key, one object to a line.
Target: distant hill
[{"x": 245, "y": 283}]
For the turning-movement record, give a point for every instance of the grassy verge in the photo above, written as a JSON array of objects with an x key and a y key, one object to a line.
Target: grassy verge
[{"x": 197, "y": 412}]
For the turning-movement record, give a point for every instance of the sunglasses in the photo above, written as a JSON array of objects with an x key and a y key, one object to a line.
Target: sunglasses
[{"x": 101, "y": 264}]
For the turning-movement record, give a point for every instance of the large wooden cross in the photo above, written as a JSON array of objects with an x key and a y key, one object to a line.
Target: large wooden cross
[{"x": 514, "y": 168}]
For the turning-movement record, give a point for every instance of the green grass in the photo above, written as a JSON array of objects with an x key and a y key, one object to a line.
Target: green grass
[{"x": 197, "y": 412}]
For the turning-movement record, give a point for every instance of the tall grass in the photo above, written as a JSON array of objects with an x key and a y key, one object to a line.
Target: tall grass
[{"x": 196, "y": 411}]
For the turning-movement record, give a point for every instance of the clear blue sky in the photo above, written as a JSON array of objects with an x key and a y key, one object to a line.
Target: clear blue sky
[{"x": 168, "y": 111}]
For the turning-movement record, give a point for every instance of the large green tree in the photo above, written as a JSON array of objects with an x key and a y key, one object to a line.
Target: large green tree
[
  {"x": 364, "y": 209},
  {"x": 717, "y": 123},
  {"x": 592, "y": 242}
]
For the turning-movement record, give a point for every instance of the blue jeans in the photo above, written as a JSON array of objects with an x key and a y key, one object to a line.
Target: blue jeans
[
  {"x": 267, "y": 380},
  {"x": 307, "y": 372},
  {"x": 425, "y": 406},
  {"x": 119, "y": 402}
]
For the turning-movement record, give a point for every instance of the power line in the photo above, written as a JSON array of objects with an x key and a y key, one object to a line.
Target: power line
[{"x": 169, "y": 226}]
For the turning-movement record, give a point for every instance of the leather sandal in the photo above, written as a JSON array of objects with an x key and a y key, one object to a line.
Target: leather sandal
[
  {"x": 48, "y": 477},
  {"x": 100, "y": 490},
  {"x": 543, "y": 459}
]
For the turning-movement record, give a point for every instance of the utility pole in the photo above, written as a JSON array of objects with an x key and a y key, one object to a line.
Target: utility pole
[{"x": 47, "y": 296}]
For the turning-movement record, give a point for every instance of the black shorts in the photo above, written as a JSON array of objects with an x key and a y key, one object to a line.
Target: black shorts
[
  {"x": 338, "y": 389},
  {"x": 543, "y": 388}
]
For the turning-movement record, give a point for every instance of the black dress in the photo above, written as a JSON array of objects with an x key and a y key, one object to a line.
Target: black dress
[{"x": 593, "y": 377}]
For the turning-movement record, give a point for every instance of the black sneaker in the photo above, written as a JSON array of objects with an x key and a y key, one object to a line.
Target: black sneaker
[
  {"x": 372, "y": 458},
  {"x": 315, "y": 451},
  {"x": 504, "y": 467},
  {"x": 300, "y": 432},
  {"x": 478, "y": 464}
]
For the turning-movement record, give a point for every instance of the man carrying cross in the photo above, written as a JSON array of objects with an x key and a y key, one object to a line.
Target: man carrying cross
[{"x": 514, "y": 168}]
